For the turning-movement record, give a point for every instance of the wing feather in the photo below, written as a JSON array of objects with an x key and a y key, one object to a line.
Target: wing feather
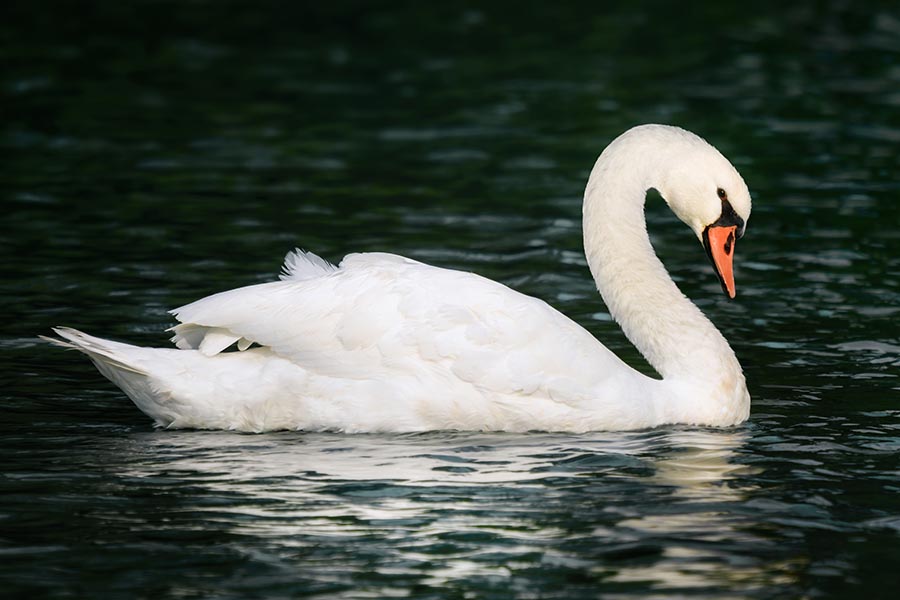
[
  {"x": 381, "y": 315},
  {"x": 300, "y": 264}
]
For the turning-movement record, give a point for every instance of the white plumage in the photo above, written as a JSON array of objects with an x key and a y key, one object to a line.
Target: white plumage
[{"x": 385, "y": 343}]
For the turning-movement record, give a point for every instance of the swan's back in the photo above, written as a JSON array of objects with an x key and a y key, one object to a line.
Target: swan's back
[
  {"x": 380, "y": 312},
  {"x": 450, "y": 346}
]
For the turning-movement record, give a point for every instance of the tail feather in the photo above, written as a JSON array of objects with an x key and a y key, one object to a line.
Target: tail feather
[
  {"x": 185, "y": 388},
  {"x": 98, "y": 349},
  {"x": 129, "y": 367}
]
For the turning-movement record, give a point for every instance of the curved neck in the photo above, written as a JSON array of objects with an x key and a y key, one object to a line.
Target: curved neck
[{"x": 667, "y": 328}]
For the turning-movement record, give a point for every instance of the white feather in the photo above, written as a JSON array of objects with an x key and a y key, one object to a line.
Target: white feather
[
  {"x": 216, "y": 339},
  {"x": 300, "y": 264}
]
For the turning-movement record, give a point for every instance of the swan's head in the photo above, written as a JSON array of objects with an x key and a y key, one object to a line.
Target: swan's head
[{"x": 706, "y": 192}]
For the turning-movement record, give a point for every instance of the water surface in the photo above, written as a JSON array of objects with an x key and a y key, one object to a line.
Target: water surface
[{"x": 155, "y": 153}]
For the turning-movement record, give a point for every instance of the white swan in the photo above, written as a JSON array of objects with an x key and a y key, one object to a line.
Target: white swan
[{"x": 385, "y": 343}]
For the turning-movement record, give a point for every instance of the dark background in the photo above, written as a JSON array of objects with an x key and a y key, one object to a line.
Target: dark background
[{"x": 155, "y": 152}]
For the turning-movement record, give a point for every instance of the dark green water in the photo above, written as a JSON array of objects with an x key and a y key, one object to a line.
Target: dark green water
[{"x": 158, "y": 152}]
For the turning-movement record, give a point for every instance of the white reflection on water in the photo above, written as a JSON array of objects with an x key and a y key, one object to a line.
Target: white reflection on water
[
  {"x": 425, "y": 460},
  {"x": 705, "y": 543},
  {"x": 701, "y": 464},
  {"x": 479, "y": 495}
]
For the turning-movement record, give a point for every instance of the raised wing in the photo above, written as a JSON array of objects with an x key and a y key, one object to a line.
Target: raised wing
[{"x": 381, "y": 315}]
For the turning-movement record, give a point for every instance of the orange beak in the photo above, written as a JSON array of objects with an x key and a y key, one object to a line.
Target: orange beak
[{"x": 719, "y": 244}]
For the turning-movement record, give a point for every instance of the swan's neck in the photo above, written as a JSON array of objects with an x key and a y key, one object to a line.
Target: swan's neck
[{"x": 668, "y": 329}]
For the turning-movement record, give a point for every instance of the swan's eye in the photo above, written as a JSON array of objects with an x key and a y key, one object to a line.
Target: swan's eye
[{"x": 722, "y": 194}]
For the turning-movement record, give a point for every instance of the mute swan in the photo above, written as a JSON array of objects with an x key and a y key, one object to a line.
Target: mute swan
[{"x": 385, "y": 343}]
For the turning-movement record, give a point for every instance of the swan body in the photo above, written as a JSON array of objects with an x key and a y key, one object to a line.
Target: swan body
[{"x": 385, "y": 343}]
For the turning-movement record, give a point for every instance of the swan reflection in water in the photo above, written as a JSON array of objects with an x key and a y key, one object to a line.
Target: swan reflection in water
[
  {"x": 674, "y": 497},
  {"x": 706, "y": 526},
  {"x": 691, "y": 460}
]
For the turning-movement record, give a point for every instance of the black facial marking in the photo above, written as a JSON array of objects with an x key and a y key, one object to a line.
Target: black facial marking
[{"x": 729, "y": 217}]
